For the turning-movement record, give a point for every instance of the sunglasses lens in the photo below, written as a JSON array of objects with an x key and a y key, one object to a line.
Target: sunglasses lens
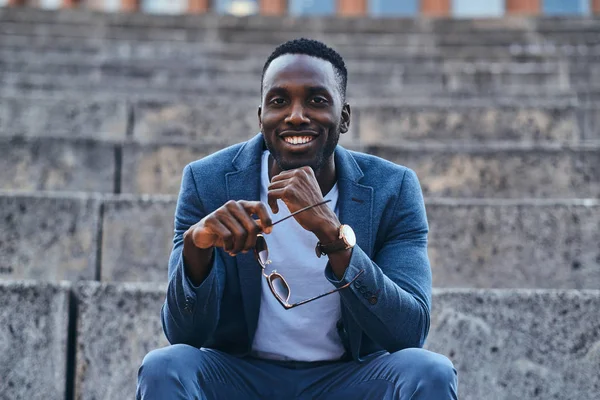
[
  {"x": 262, "y": 251},
  {"x": 280, "y": 287}
]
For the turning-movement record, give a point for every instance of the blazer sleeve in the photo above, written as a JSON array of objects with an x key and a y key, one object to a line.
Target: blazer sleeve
[
  {"x": 190, "y": 313},
  {"x": 391, "y": 299}
]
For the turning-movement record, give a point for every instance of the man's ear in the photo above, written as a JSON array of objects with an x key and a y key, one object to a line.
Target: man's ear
[
  {"x": 260, "y": 117},
  {"x": 345, "y": 124}
]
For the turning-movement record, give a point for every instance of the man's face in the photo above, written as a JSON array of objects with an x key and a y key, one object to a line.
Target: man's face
[{"x": 302, "y": 112}]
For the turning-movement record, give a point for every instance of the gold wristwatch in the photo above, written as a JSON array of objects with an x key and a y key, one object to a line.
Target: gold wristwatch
[{"x": 346, "y": 240}]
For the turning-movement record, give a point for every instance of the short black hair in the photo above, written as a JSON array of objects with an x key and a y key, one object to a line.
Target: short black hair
[{"x": 312, "y": 48}]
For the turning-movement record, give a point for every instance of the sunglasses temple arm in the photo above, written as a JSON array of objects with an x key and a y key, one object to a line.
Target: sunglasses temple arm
[
  {"x": 328, "y": 293},
  {"x": 299, "y": 211}
]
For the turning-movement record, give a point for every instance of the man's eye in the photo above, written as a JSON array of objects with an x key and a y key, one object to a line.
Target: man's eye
[
  {"x": 278, "y": 101},
  {"x": 319, "y": 100}
]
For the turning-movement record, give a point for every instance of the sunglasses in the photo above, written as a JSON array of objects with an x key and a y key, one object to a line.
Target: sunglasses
[{"x": 277, "y": 283}]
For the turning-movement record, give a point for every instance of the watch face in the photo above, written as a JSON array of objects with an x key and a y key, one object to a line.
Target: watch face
[{"x": 348, "y": 235}]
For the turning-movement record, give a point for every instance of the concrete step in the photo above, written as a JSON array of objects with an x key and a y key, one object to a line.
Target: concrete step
[
  {"x": 497, "y": 170},
  {"x": 157, "y": 83},
  {"x": 118, "y": 120},
  {"x": 485, "y": 243},
  {"x": 460, "y": 170},
  {"x": 29, "y": 60},
  {"x": 448, "y": 74},
  {"x": 553, "y": 353},
  {"x": 269, "y": 30},
  {"x": 472, "y": 243},
  {"x": 505, "y": 344},
  {"x": 33, "y": 164},
  {"x": 34, "y": 332},
  {"x": 81, "y": 117},
  {"x": 502, "y": 171},
  {"x": 152, "y": 50},
  {"x": 373, "y": 123},
  {"x": 50, "y": 237},
  {"x": 56, "y": 62}
]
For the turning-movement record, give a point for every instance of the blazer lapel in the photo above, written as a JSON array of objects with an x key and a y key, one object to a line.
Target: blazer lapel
[
  {"x": 355, "y": 200},
  {"x": 356, "y": 210},
  {"x": 244, "y": 184}
]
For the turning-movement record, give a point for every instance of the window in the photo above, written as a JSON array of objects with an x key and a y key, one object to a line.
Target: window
[
  {"x": 236, "y": 7},
  {"x": 565, "y": 7},
  {"x": 312, "y": 7},
  {"x": 478, "y": 8},
  {"x": 164, "y": 6},
  {"x": 393, "y": 8}
]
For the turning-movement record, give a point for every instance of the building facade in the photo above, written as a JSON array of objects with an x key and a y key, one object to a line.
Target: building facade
[{"x": 351, "y": 8}]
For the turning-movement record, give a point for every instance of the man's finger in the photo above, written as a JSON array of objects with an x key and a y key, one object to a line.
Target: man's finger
[
  {"x": 279, "y": 184},
  {"x": 260, "y": 210},
  {"x": 272, "y": 197},
  {"x": 283, "y": 175},
  {"x": 224, "y": 236},
  {"x": 237, "y": 229},
  {"x": 248, "y": 223}
]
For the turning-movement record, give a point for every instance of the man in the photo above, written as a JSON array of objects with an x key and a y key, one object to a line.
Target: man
[{"x": 237, "y": 333}]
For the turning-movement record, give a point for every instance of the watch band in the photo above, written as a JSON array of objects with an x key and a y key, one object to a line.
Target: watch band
[{"x": 338, "y": 244}]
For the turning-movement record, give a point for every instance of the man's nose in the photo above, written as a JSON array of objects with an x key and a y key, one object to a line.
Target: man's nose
[{"x": 297, "y": 115}]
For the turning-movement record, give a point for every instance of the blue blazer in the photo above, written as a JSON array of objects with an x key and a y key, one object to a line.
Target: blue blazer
[{"x": 385, "y": 309}]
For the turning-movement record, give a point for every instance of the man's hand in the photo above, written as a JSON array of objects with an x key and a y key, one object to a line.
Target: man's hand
[
  {"x": 298, "y": 188},
  {"x": 231, "y": 227}
]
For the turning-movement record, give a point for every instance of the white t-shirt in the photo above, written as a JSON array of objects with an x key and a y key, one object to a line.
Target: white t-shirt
[{"x": 307, "y": 332}]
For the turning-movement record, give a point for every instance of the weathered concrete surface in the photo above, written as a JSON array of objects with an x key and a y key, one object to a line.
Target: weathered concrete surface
[
  {"x": 117, "y": 326},
  {"x": 452, "y": 170},
  {"x": 505, "y": 344},
  {"x": 590, "y": 119},
  {"x": 76, "y": 117},
  {"x": 514, "y": 244},
  {"x": 33, "y": 164},
  {"x": 472, "y": 243},
  {"x": 162, "y": 121},
  {"x": 157, "y": 168},
  {"x": 502, "y": 171},
  {"x": 48, "y": 236},
  {"x": 464, "y": 79},
  {"x": 382, "y": 124},
  {"x": 222, "y": 122},
  {"x": 137, "y": 237},
  {"x": 34, "y": 320},
  {"x": 510, "y": 344}
]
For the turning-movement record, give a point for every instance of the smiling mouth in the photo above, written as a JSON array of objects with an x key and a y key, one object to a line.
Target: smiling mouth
[{"x": 298, "y": 139}]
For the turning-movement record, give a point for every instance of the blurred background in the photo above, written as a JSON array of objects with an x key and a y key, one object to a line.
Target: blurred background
[
  {"x": 374, "y": 8},
  {"x": 495, "y": 104}
]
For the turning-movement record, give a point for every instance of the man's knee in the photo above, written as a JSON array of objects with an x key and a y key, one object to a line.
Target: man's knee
[
  {"x": 170, "y": 360},
  {"x": 424, "y": 366}
]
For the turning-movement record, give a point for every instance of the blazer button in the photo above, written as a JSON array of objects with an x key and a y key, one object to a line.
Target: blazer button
[{"x": 373, "y": 300}]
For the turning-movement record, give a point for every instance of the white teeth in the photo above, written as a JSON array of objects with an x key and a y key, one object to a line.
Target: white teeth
[{"x": 298, "y": 139}]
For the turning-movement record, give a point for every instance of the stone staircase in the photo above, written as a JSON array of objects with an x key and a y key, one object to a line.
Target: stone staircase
[{"x": 99, "y": 113}]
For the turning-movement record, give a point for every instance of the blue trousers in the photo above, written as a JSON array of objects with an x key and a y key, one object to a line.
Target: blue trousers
[{"x": 185, "y": 372}]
